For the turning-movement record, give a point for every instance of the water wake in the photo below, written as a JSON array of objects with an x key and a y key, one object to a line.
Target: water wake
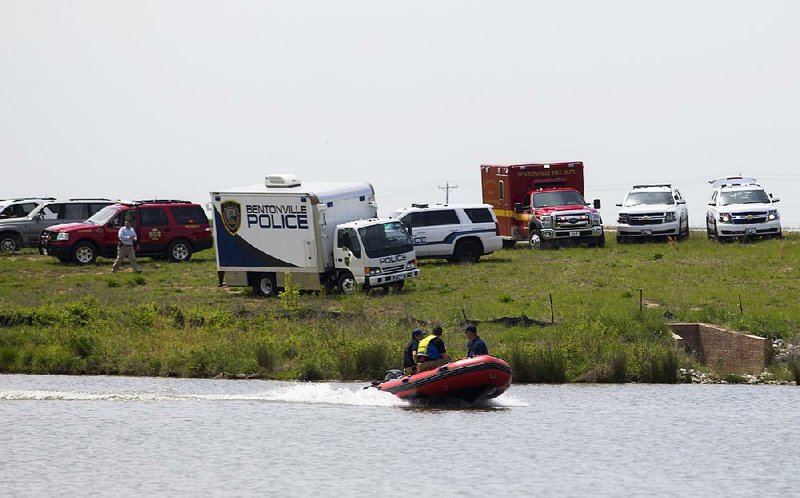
[{"x": 312, "y": 393}]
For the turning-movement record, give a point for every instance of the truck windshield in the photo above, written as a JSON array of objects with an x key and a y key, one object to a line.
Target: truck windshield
[
  {"x": 103, "y": 216},
  {"x": 558, "y": 198},
  {"x": 385, "y": 239},
  {"x": 743, "y": 197},
  {"x": 645, "y": 198}
]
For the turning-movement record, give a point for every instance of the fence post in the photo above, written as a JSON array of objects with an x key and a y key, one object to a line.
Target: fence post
[
  {"x": 641, "y": 301},
  {"x": 552, "y": 311}
]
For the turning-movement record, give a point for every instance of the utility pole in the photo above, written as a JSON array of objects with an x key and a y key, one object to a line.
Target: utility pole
[{"x": 447, "y": 188}]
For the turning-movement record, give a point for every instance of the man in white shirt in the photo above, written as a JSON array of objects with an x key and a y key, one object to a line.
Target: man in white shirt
[{"x": 127, "y": 242}]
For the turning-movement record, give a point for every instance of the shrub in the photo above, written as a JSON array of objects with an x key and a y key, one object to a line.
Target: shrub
[
  {"x": 266, "y": 357},
  {"x": 310, "y": 371},
  {"x": 81, "y": 344},
  {"x": 659, "y": 366},
  {"x": 545, "y": 364},
  {"x": 366, "y": 360}
]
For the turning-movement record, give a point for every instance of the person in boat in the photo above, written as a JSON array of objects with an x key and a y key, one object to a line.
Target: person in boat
[
  {"x": 475, "y": 345},
  {"x": 410, "y": 352},
  {"x": 431, "y": 352}
]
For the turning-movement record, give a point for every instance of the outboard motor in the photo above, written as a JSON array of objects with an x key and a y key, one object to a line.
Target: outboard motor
[{"x": 392, "y": 374}]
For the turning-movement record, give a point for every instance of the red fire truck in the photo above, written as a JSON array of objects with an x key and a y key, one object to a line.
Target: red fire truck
[{"x": 543, "y": 204}]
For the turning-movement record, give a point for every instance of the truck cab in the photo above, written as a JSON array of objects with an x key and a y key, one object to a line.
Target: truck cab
[
  {"x": 373, "y": 253},
  {"x": 542, "y": 204}
]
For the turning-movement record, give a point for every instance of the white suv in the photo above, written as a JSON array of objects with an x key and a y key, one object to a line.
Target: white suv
[
  {"x": 456, "y": 232},
  {"x": 653, "y": 211},
  {"x": 21, "y": 207},
  {"x": 739, "y": 207}
]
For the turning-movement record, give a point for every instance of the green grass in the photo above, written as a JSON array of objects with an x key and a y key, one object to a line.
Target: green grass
[{"x": 173, "y": 320}]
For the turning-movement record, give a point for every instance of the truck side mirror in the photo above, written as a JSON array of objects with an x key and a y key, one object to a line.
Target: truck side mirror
[
  {"x": 777, "y": 199},
  {"x": 518, "y": 207},
  {"x": 711, "y": 203},
  {"x": 619, "y": 204},
  {"x": 681, "y": 201},
  {"x": 408, "y": 228},
  {"x": 597, "y": 203}
]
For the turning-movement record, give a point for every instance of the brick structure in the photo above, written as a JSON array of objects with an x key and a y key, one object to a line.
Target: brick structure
[{"x": 725, "y": 351}]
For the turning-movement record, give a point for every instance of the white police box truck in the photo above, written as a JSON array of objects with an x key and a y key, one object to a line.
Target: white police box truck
[{"x": 325, "y": 235}]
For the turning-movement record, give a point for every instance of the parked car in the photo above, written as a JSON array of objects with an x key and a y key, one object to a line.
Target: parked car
[
  {"x": 456, "y": 232},
  {"x": 657, "y": 210},
  {"x": 165, "y": 228},
  {"x": 740, "y": 207},
  {"x": 21, "y": 206},
  {"x": 16, "y": 233}
]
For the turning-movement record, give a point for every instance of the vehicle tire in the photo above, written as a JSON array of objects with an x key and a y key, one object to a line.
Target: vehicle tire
[
  {"x": 467, "y": 251},
  {"x": 601, "y": 240},
  {"x": 686, "y": 230},
  {"x": 84, "y": 253},
  {"x": 179, "y": 250},
  {"x": 509, "y": 244},
  {"x": 398, "y": 286},
  {"x": 63, "y": 259},
  {"x": 264, "y": 285},
  {"x": 621, "y": 239},
  {"x": 347, "y": 283},
  {"x": 536, "y": 241},
  {"x": 9, "y": 243}
]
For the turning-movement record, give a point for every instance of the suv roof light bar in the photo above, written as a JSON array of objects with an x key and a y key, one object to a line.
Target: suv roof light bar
[
  {"x": 160, "y": 201},
  {"x": 646, "y": 185},
  {"x": 89, "y": 199},
  {"x": 422, "y": 206}
]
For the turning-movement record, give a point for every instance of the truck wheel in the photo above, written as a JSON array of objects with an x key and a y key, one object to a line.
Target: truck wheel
[
  {"x": 264, "y": 285},
  {"x": 509, "y": 243},
  {"x": 536, "y": 241},
  {"x": 468, "y": 251},
  {"x": 601, "y": 241},
  {"x": 9, "y": 243},
  {"x": 684, "y": 234},
  {"x": 85, "y": 253},
  {"x": 347, "y": 283},
  {"x": 179, "y": 251},
  {"x": 398, "y": 286}
]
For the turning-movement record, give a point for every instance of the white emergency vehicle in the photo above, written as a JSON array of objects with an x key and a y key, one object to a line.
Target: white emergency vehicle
[
  {"x": 739, "y": 207},
  {"x": 653, "y": 210},
  {"x": 324, "y": 235},
  {"x": 456, "y": 232}
]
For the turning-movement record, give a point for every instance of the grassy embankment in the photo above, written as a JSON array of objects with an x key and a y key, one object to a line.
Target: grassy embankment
[{"x": 173, "y": 320}]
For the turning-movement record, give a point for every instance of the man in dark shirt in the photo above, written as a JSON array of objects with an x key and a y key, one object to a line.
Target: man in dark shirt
[
  {"x": 410, "y": 352},
  {"x": 475, "y": 345}
]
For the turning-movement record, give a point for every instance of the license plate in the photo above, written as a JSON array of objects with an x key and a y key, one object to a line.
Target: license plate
[
  {"x": 750, "y": 231},
  {"x": 647, "y": 232},
  {"x": 574, "y": 234}
]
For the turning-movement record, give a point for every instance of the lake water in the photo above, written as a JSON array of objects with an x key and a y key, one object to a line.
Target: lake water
[{"x": 114, "y": 436}]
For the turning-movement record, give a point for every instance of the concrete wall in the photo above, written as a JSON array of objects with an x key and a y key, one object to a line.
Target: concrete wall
[{"x": 725, "y": 351}]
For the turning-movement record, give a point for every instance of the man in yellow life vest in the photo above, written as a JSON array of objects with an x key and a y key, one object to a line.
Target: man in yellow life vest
[{"x": 431, "y": 352}]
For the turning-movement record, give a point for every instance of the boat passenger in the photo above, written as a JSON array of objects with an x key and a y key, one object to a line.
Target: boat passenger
[
  {"x": 475, "y": 345},
  {"x": 410, "y": 352},
  {"x": 431, "y": 352}
]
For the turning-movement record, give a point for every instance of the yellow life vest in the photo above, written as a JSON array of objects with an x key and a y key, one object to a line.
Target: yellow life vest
[{"x": 422, "y": 350}]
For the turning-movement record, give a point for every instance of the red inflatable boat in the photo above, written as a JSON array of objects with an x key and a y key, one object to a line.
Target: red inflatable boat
[{"x": 471, "y": 379}]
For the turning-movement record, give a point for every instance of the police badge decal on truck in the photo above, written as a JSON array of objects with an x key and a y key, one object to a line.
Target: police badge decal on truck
[{"x": 231, "y": 216}]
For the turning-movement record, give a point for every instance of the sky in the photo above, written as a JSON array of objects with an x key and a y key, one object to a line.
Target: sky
[{"x": 173, "y": 99}]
